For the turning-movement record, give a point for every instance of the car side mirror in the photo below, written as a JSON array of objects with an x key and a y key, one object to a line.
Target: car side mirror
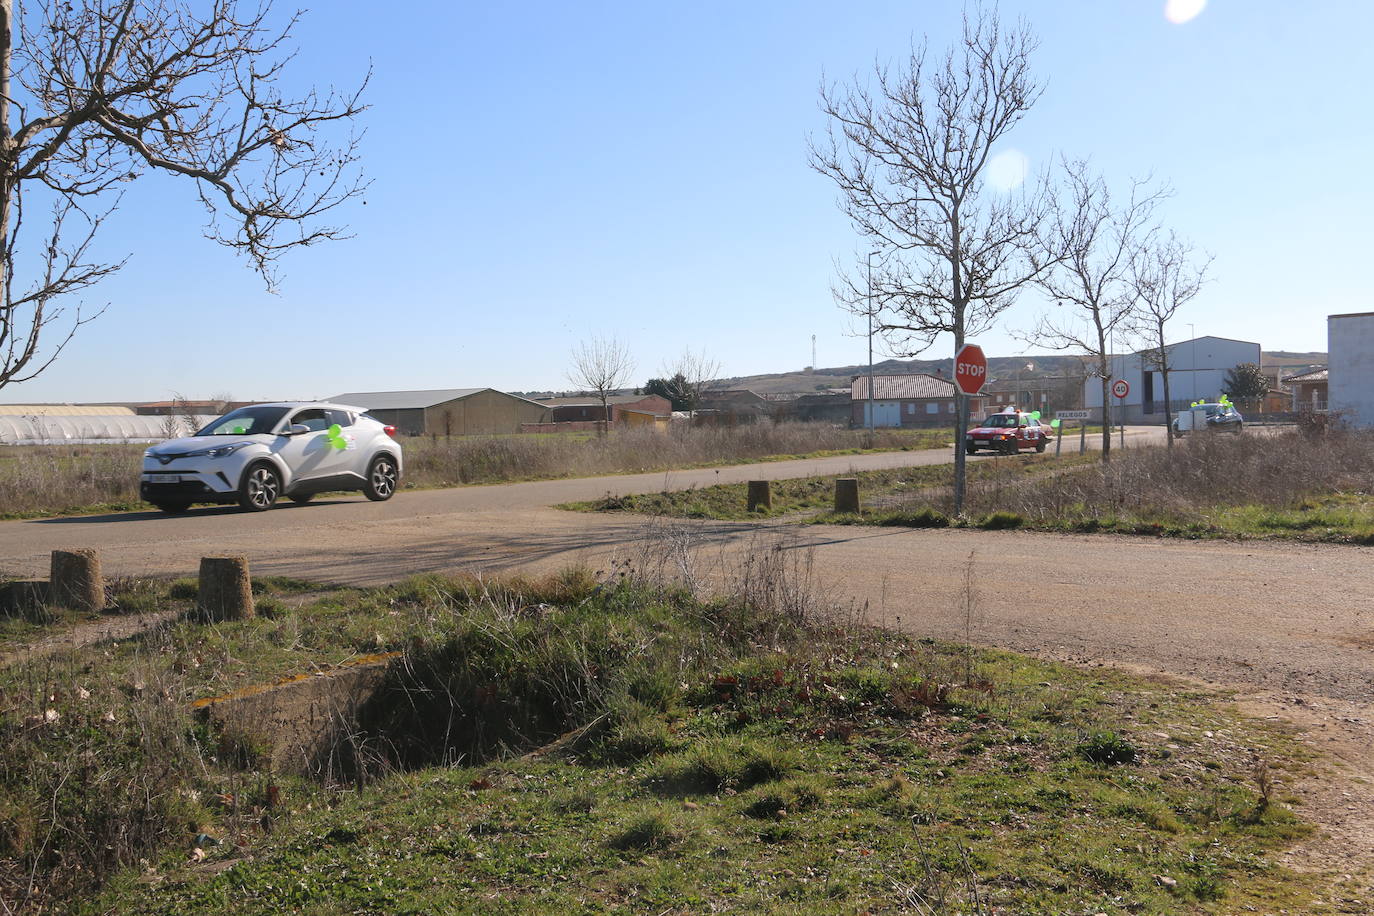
[{"x": 295, "y": 429}]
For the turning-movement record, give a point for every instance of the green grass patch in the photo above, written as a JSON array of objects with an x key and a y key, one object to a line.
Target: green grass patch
[{"x": 708, "y": 756}]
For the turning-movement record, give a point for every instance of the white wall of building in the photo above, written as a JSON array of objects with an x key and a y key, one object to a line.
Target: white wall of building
[
  {"x": 1197, "y": 371},
  {"x": 1350, "y": 348},
  {"x": 885, "y": 413}
]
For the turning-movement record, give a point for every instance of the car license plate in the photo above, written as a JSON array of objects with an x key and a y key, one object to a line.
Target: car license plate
[
  {"x": 164, "y": 478},
  {"x": 980, "y": 442}
]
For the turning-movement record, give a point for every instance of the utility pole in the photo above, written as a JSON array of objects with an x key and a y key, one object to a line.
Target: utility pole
[{"x": 870, "y": 343}]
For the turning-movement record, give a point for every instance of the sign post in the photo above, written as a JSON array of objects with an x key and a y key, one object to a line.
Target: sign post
[
  {"x": 970, "y": 373},
  {"x": 1121, "y": 388},
  {"x": 1082, "y": 416},
  {"x": 970, "y": 369}
]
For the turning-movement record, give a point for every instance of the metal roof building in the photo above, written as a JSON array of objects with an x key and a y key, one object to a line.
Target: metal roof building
[{"x": 448, "y": 411}]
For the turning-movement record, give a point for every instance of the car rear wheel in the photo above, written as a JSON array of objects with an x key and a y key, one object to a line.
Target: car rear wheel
[
  {"x": 381, "y": 478},
  {"x": 260, "y": 489}
]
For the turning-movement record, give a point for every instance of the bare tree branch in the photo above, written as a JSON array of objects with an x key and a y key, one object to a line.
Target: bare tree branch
[
  {"x": 689, "y": 376},
  {"x": 601, "y": 367},
  {"x": 1091, "y": 245},
  {"x": 1165, "y": 276},
  {"x": 909, "y": 159},
  {"x": 96, "y": 93}
]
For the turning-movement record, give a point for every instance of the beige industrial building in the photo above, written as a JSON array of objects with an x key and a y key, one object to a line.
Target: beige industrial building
[{"x": 448, "y": 411}]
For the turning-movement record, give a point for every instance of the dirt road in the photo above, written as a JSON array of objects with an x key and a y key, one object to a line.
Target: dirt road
[{"x": 1290, "y": 626}]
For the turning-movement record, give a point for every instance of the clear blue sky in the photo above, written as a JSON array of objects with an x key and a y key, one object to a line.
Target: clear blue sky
[{"x": 544, "y": 172}]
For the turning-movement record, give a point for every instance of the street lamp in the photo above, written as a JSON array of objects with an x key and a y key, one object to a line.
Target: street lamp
[
  {"x": 1192, "y": 361},
  {"x": 870, "y": 342}
]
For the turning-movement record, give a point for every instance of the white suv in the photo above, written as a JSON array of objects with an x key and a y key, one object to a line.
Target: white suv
[{"x": 255, "y": 454}]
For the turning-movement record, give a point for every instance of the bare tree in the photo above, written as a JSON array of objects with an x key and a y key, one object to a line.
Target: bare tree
[
  {"x": 1092, "y": 245},
  {"x": 910, "y": 161},
  {"x": 689, "y": 376},
  {"x": 601, "y": 367},
  {"x": 1165, "y": 276},
  {"x": 96, "y": 93}
]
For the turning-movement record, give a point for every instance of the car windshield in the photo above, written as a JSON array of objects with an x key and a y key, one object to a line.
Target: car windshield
[
  {"x": 1001, "y": 421},
  {"x": 246, "y": 421}
]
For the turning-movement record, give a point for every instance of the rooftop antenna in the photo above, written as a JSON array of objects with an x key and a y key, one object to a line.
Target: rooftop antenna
[{"x": 813, "y": 351}]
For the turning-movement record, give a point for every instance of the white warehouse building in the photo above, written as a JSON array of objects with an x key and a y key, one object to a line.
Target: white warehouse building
[
  {"x": 1350, "y": 361},
  {"x": 1197, "y": 371}
]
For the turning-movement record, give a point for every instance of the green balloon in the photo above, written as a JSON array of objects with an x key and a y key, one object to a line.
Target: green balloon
[
  {"x": 335, "y": 430},
  {"x": 338, "y": 442},
  {"x": 1054, "y": 424},
  {"x": 1035, "y": 414},
  {"x": 240, "y": 430}
]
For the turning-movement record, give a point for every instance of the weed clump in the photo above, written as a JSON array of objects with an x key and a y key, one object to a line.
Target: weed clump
[
  {"x": 650, "y": 831},
  {"x": 1107, "y": 749},
  {"x": 1001, "y": 521},
  {"x": 921, "y": 518},
  {"x": 721, "y": 763}
]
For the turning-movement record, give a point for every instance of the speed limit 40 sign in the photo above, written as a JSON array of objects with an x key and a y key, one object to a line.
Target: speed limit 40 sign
[{"x": 1121, "y": 388}]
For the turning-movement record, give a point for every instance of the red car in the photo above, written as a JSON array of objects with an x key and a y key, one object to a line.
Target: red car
[{"x": 1010, "y": 431}]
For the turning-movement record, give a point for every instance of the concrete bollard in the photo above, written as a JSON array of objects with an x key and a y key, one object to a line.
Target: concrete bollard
[
  {"x": 847, "y": 495},
  {"x": 226, "y": 591},
  {"x": 76, "y": 579},
  {"x": 759, "y": 495}
]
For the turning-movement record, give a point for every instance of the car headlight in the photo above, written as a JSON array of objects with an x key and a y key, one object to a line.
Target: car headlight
[{"x": 218, "y": 451}]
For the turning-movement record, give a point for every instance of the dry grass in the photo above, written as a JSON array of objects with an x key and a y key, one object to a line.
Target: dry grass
[
  {"x": 1204, "y": 486},
  {"x": 54, "y": 479},
  {"x": 493, "y": 459}
]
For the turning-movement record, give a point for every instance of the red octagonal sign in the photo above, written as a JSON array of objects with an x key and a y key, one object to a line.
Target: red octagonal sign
[{"x": 970, "y": 368}]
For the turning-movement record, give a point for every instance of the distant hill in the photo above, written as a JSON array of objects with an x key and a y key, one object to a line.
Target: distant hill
[
  {"x": 807, "y": 381},
  {"x": 803, "y": 381}
]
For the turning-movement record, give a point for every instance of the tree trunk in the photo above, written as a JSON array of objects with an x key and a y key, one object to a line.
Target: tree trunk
[
  {"x": 76, "y": 579},
  {"x": 6, "y": 152},
  {"x": 226, "y": 592},
  {"x": 1106, "y": 420},
  {"x": 960, "y": 460},
  {"x": 1164, "y": 377}
]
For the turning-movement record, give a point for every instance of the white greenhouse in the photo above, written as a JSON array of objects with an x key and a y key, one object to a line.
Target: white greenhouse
[{"x": 89, "y": 429}]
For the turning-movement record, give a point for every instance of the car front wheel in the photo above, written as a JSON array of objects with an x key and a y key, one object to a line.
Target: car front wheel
[
  {"x": 381, "y": 478},
  {"x": 260, "y": 489}
]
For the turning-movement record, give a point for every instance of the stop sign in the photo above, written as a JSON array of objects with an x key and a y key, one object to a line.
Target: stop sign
[{"x": 970, "y": 368}]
